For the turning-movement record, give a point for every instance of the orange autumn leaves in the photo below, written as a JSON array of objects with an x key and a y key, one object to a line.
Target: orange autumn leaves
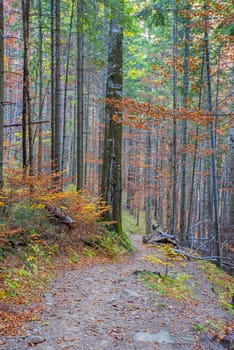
[{"x": 137, "y": 114}]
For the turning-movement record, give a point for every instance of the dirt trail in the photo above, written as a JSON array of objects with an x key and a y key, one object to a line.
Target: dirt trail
[{"x": 106, "y": 307}]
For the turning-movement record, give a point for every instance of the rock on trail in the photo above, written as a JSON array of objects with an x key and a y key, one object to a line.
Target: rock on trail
[{"x": 106, "y": 307}]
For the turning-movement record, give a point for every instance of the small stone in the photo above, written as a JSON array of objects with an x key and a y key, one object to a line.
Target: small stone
[
  {"x": 36, "y": 339},
  {"x": 131, "y": 293},
  {"x": 162, "y": 337},
  {"x": 145, "y": 337}
]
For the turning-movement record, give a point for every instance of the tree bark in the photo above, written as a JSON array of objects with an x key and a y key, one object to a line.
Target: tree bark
[
  {"x": 183, "y": 207},
  {"x": 57, "y": 90},
  {"x": 174, "y": 82},
  {"x": 40, "y": 98},
  {"x": 80, "y": 93},
  {"x": 65, "y": 92},
  {"x": 112, "y": 155},
  {"x": 1, "y": 91},
  {"x": 52, "y": 78},
  {"x": 231, "y": 180},
  {"x": 214, "y": 193},
  {"x": 26, "y": 112}
]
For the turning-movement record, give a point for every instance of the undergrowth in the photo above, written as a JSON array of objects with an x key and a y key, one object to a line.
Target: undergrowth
[
  {"x": 223, "y": 284},
  {"x": 167, "y": 284},
  {"x": 130, "y": 225},
  {"x": 34, "y": 246}
]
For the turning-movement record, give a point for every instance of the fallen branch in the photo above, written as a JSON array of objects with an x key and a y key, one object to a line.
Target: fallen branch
[{"x": 189, "y": 256}]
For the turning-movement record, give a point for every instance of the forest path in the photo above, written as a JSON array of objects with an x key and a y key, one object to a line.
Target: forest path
[{"x": 106, "y": 307}]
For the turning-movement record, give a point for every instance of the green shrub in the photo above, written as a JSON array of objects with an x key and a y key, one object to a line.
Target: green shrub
[{"x": 110, "y": 243}]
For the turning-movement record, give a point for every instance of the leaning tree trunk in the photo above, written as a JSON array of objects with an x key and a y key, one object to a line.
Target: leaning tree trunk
[{"x": 1, "y": 90}]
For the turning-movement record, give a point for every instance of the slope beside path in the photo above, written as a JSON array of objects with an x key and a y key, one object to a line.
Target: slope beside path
[{"x": 107, "y": 307}]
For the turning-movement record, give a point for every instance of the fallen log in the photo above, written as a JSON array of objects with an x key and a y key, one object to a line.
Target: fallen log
[
  {"x": 154, "y": 239},
  {"x": 60, "y": 215}
]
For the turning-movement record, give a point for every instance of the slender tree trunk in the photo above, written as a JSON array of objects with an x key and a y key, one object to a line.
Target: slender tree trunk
[
  {"x": 231, "y": 143},
  {"x": 214, "y": 198},
  {"x": 1, "y": 90},
  {"x": 190, "y": 214},
  {"x": 26, "y": 112},
  {"x": 64, "y": 144},
  {"x": 57, "y": 90},
  {"x": 40, "y": 101},
  {"x": 25, "y": 13},
  {"x": 174, "y": 81},
  {"x": 183, "y": 208},
  {"x": 149, "y": 184},
  {"x": 52, "y": 78},
  {"x": 80, "y": 97}
]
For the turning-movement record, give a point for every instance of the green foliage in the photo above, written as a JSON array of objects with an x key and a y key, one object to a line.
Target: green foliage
[
  {"x": 74, "y": 258},
  {"x": 154, "y": 14},
  {"x": 199, "y": 327},
  {"x": 168, "y": 259},
  {"x": 172, "y": 287},
  {"x": 222, "y": 283},
  {"x": 209, "y": 326},
  {"x": 12, "y": 285},
  {"x": 32, "y": 220},
  {"x": 130, "y": 226},
  {"x": 89, "y": 252},
  {"x": 110, "y": 243}
]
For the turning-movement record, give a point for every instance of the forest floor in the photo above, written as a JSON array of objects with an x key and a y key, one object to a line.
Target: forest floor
[{"x": 106, "y": 306}]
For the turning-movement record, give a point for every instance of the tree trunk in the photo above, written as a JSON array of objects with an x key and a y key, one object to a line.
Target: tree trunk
[
  {"x": 174, "y": 81},
  {"x": 40, "y": 99},
  {"x": 80, "y": 97},
  {"x": 214, "y": 194},
  {"x": 57, "y": 153},
  {"x": 183, "y": 208},
  {"x": 26, "y": 112},
  {"x": 112, "y": 155},
  {"x": 148, "y": 185},
  {"x": 190, "y": 213},
  {"x": 1, "y": 90},
  {"x": 231, "y": 180},
  {"x": 52, "y": 78},
  {"x": 64, "y": 134}
]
